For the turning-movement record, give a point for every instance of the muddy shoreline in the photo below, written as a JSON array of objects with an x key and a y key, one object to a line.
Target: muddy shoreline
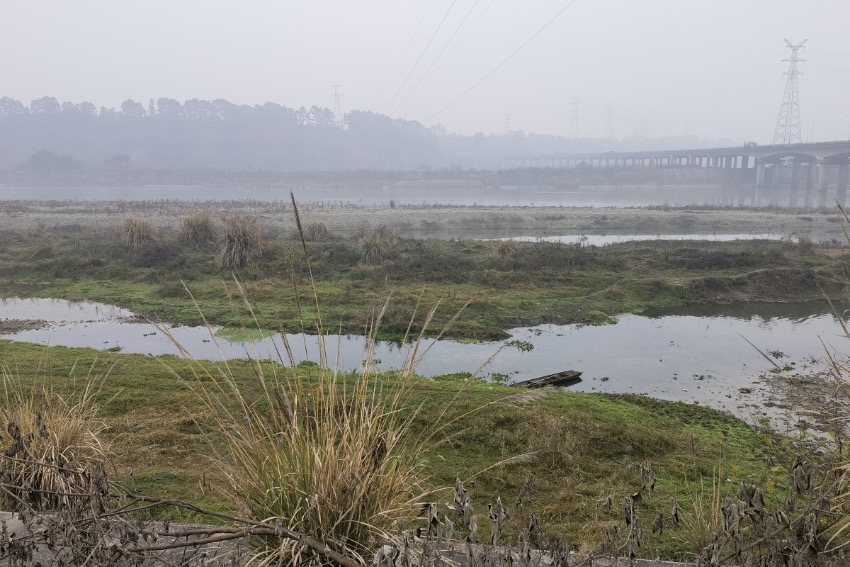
[
  {"x": 11, "y": 326},
  {"x": 812, "y": 401}
]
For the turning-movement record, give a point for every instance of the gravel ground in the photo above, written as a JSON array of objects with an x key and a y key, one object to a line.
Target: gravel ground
[{"x": 427, "y": 221}]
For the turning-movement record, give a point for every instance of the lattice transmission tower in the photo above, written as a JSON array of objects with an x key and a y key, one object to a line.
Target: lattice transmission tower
[
  {"x": 338, "y": 118},
  {"x": 788, "y": 124}
]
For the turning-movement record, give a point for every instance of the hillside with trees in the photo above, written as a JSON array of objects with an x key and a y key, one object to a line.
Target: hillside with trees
[{"x": 49, "y": 136}]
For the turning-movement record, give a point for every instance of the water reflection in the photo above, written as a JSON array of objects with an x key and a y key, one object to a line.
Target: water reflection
[
  {"x": 606, "y": 239},
  {"x": 60, "y": 311},
  {"x": 695, "y": 354}
]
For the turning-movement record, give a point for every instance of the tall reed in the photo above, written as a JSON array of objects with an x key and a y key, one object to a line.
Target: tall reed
[
  {"x": 53, "y": 452},
  {"x": 321, "y": 452},
  {"x": 196, "y": 227},
  {"x": 838, "y": 415},
  {"x": 137, "y": 233},
  {"x": 241, "y": 243}
]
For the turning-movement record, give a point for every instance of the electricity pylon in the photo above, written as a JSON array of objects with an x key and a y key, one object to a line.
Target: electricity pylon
[
  {"x": 337, "y": 105},
  {"x": 788, "y": 124}
]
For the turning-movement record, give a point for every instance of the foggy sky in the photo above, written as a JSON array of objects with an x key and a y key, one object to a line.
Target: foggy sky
[{"x": 664, "y": 67}]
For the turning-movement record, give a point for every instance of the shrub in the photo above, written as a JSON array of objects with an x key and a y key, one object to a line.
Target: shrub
[
  {"x": 137, "y": 233},
  {"x": 806, "y": 246},
  {"x": 197, "y": 227},
  {"x": 614, "y": 293},
  {"x": 241, "y": 243},
  {"x": 377, "y": 245},
  {"x": 163, "y": 253}
]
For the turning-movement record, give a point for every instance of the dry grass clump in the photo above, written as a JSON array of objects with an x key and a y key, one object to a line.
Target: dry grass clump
[
  {"x": 137, "y": 233},
  {"x": 699, "y": 522},
  {"x": 317, "y": 452},
  {"x": 196, "y": 227},
  {"x": 506, "y": 250},
  {"x": 52, "y": 453},
  {"x": 321, "y": 454},
  {"x": 317, "y": 231},
  {"x": 377, "y": 244},
  {"x": 241, "y": 243},
  {"x": 806, "y": 246}
]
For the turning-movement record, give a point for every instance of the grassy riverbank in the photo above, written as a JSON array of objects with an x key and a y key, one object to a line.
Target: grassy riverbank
[
  {"x": 505, "y": 284},
  {"x": 585, "y": 447}
]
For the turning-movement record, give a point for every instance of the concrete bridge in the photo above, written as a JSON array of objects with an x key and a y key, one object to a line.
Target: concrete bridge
[{"x": 819, "y": 165}]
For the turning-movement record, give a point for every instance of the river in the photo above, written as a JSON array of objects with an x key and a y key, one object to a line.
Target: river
[
  {"x": 699, "y": 354},
  {"x": 421, "y": 193}
]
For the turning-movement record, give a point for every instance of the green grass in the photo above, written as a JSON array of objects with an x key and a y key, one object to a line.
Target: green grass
[
  {"x": 536, "y": 283},
  {"x": 586, "y": 445}
]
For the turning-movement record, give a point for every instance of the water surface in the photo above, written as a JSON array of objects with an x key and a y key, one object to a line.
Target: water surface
[
  {"x": 698, "y": 354},
  {"x": 606, "y": 239},
  {"x": 408, "y": 193}
]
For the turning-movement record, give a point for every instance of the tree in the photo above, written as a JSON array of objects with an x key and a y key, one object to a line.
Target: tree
[
  {"x": 132, "y": 109},
  {"x": 10, "y": 106},
  {"x": 118, "y": 161},
  {"x": 81, "y": 109},
  {"x": 302, "y": 116},
  {"x": 169, "y": 108},
  {"x": 45, "y": 105},
  {"x": 195, "y": 109},
  {"x": 275, "y": 112},
  {"x": 321, "y": 116},
  {"x": 87, "y": 108},
  {"x": 45, "y": 160}
]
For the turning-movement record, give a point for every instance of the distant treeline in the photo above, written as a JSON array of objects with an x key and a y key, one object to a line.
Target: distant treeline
[{"x": 198, "y": 134}]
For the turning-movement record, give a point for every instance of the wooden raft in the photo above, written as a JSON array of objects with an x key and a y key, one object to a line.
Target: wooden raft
[{"x": 564, "y": 379}]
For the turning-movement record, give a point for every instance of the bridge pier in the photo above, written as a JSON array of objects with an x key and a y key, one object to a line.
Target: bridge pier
[
  {"x": 795, "y": 183},
  {"x": 843, "y": 170},
  {"x": 824, "y": 184},
  {"x": 759, "y": 174},
  {"x": 757, "y": 190},
  {"x": 771, "y": 189},
  {"x": 810, "y": 184}
]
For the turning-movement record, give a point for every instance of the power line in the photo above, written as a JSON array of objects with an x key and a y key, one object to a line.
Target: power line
[
  {"x": 472, "y": 27},
  {"x": 505, "y": 60},
  {"x": 421, "y": 55},
  {"x": 437, "y": 58},
  {"x": 406, "y": 50}
]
